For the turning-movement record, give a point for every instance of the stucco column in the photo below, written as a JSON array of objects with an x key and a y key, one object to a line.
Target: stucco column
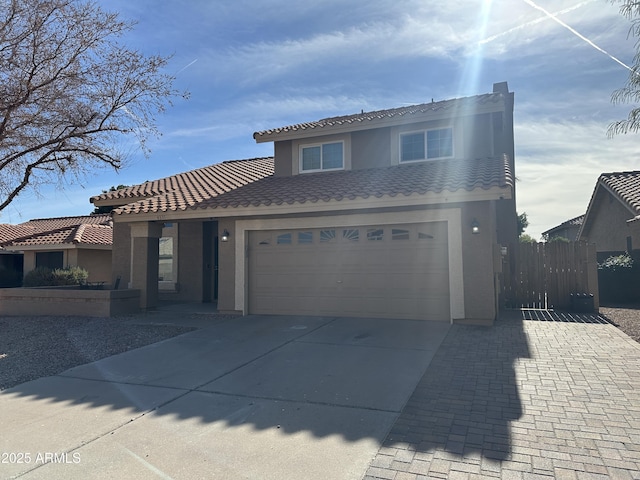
[
  {"x": 144, "y": 261},
  {"x": 227, "y": 267},
  {"x": 29, "y": 261}
]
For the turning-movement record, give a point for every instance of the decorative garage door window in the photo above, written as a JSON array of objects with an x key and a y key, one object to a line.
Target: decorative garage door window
[
  {"x": 351, "y": 234},
  {"x": 381, "y": 234},
  {"x": 305, "y": 237},
  {"x": 375, "y": 234},
  {"x": 285, "y": 239},
  {"x": 399, "y": 234},
  {"x": 327, "y": 236}
]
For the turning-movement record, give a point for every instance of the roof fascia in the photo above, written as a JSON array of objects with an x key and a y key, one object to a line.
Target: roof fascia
[
  {"x": 115, "y": 202},
  {"x": 44, "y": 246},
  {"x": 60, "y": 246},
  {"x": 311, "y": 208},
  {"x": 398, "y": 120},
  {"x": 587, "y": 216}
]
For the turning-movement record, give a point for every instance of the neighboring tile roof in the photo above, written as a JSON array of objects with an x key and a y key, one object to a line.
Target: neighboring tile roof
[
  {"x": 79, "y": 234},
  {"x": 184, "y": 190},
  {"x": 82, "y": 230},
  {"x": 574, "y": 222},
  {"x": 417, "y": 178},
  {"x": 626, "y": 185},
  {"x": 380, "y": 116},
  {"x": 11, "y": 232}
]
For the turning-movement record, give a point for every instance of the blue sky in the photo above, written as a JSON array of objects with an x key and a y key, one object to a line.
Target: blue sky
[{"x": 252, "y": 65}]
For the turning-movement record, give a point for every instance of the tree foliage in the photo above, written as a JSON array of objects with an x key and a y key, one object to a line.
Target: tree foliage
[
  {"x": 108, "y": 208},
  {"x": 630, "y": 92},
  {"x": 70, "y": 92},
  {"x": 523, "y": 222},
  {"x": 526, "y": 238}
]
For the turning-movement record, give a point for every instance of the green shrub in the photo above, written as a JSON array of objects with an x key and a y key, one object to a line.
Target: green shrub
[
  {"x": 560, "y": 239},
  {"x": 526, "y": 238},
  {"x": 45, "y": 277},
  {"x": 616, "y": 262}
]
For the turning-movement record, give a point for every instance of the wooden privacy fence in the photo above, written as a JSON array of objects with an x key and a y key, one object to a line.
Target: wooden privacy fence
[{"x": 545, "y": 275}]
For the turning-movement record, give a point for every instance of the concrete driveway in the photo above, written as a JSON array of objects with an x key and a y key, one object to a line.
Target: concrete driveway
[{"x": 258, "y": 397}]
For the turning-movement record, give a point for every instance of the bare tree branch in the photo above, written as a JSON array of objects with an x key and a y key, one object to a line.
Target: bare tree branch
[{"x": 70, "y": 92}]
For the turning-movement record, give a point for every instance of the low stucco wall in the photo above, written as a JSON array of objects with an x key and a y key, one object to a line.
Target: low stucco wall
[{"x": 66, "y": 301}]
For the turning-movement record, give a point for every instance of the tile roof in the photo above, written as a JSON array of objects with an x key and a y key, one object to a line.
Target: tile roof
[
  {"x": 11, "y": 232},
  {"x": 184, "y": 190},
  {"x": 418, "y": 178},
  {"x": 626, "y": 185},
  {"x": 81, "y": 230},
  {"x": 398, "y": 115},
  {"x": 573, "y": 222},
  {"x": 76, "y": 235}
]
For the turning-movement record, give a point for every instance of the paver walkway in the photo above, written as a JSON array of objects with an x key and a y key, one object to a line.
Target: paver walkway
[{"x": 526, "y": 399}]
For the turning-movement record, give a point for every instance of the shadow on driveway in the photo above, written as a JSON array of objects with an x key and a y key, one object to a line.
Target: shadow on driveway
[{"x": 469, "y": 395}]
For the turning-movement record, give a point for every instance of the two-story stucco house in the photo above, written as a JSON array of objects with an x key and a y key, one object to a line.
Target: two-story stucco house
[{"x": 398, "y": 213}]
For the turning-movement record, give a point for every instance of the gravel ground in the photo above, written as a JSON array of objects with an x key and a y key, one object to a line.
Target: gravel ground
[
  {"x": 625, "y": 317},
  {"x": 34, "y": 347}
]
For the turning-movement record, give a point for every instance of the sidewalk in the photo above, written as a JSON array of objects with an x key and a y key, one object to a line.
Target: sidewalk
[{"x": 526, "y": 399}]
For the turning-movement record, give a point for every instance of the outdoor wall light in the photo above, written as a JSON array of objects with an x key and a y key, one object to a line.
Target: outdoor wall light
[
  {"x": 475, "y": 226},
  {"x": 225, "y": 235}
]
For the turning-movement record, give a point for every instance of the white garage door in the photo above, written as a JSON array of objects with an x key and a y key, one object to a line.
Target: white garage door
[{"x": 394, "y": 271}]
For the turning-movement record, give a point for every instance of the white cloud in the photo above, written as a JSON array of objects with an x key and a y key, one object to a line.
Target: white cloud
[
  {"x": 451, "y": 30},
  {"x": 558, "y": 164}
]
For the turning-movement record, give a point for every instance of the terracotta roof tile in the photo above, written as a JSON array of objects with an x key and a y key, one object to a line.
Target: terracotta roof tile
[
  {"x": 380, "y": 116},
  {"x": 419, "y": 178},
  {"x": 184, "y": 190},
  {"x": 573, "y": 222},
  {"x": 626, "y": 185},
  {"x": 91, "y": 229},
  {"x": 10, "y": 232}
]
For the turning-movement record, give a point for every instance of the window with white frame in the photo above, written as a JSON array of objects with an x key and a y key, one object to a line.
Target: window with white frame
[
  {"x": 323, "y": 156},
  {"x": 426, "y": 144}
]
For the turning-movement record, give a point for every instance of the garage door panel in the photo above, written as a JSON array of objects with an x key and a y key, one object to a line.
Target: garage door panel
[{"x": 386, "y": 271}]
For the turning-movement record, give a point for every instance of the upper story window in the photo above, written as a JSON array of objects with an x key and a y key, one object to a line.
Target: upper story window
[
  {"x": 324, "y": 156},
  {"x": 426, "y": 144}
]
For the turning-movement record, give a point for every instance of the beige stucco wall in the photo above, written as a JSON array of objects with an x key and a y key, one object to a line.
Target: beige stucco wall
[
  {"x": 371, "y": 148},
  {"x": 97, "y": 263},
  {"x": 226, "y": 268},
  {"x": 29, "y": 260},
  {"x": 62, "y": 301},
  {"x": 283, "y": 155},
  {"x": 121, "y": 254},
  {"x": 189, "y": 262},
  {"x": 477, "y": 136},
  {"x": 607, "y": 225},
  {"x": 478, "y": 262}
]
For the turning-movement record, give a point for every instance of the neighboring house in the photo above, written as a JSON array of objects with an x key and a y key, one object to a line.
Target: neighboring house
[
  {"x": 612, "y": 220},
  {"x": 398, "y": 213},
  {"x": 568, "y": 230},
  {"x": 83, "y": 241}
]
